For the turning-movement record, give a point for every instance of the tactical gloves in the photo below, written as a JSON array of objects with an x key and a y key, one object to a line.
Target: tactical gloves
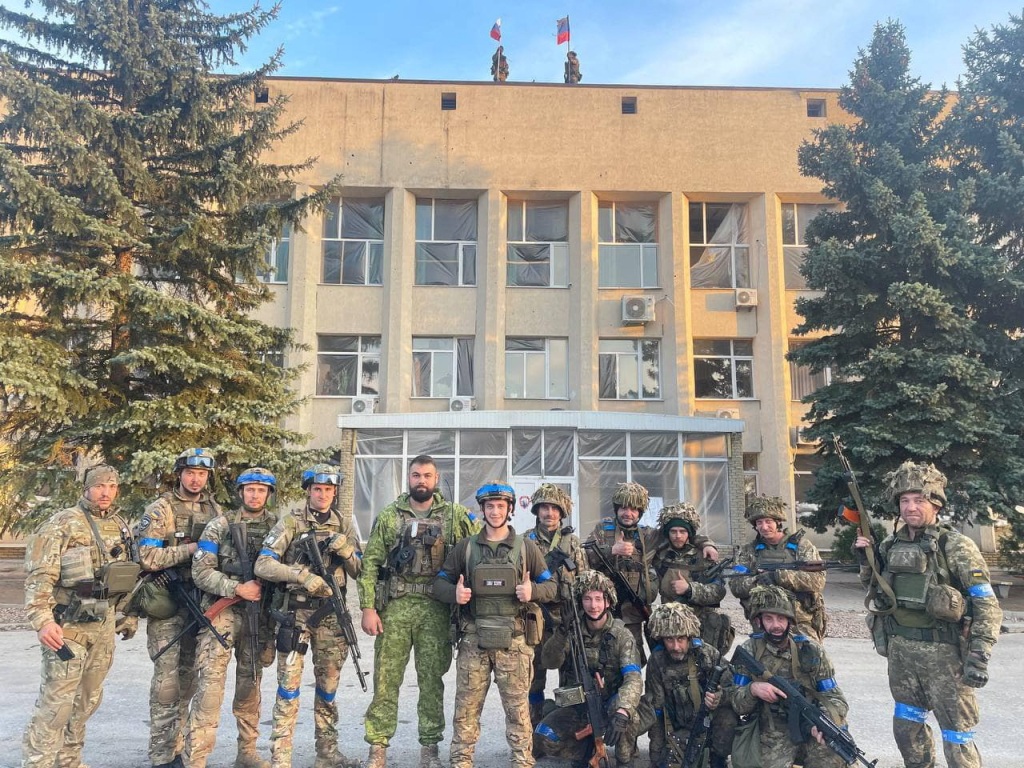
[
  {"x": 617, "y": 727},
  {"x": 340, "y": 545},
  {"x": 976, "y": 669},
  {"x": 125, "y": 626},
  {"x": 316, "y": 586}
]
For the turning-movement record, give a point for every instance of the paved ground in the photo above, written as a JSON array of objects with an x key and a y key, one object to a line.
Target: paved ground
[{"x": 118, "y": 732}]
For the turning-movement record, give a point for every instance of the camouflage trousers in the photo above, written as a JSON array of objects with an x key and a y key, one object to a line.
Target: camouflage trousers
[
  {"x": 778, "y": 751},
  {"x": 511, "y": 669},
  {"x": 926, "y": 676},
  {"x": 212, "y": 662},
  {"x": 723, "y": 728},
  {"x": 70, "y": 691},
  {"x": 555, "y": 736},
  {"x": 539, "y": 683},
  {"x": 329, "y": 653},
  {"x": 411, "y": 623},
  {"x": 172, "y": 688}
]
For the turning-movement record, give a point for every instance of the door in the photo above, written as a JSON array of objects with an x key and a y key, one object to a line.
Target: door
[{"x": 522, "y": 518}]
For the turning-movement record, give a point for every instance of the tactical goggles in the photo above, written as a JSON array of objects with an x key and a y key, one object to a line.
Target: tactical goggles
[
  {"x": 204, "y": 462},
  {"x": 257, "y": 477},
  {"x": 325, "y": 478}
]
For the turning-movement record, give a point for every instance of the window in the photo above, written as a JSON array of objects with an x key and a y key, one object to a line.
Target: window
[
  {"x": 538, "y": 251},
  {"x": 276, "y": 267},
  {"x": 795, "y": 218},
  {"x": 449, "y": 101},
  {"x": 347, "y": 366},
  {"x": 536, "y": 368},
  {"x": 627, "y": 250},
  {"x": 815, "y": 107},
  {"x": 719, "y": 246},
  {"x": 750, "y": 476},
  {"x": 805, "y": 468},
  {"x": 629, "y": 105},
  {"x": 723, "y": 369},
  {"x": 353, "y": 241},
  {"x": 442, "y": 367},
  {"x": 261, "y": 95},
  {"x": 629, "y": 369},
  {"x": 445, "y": 242},
  {"x": 801, "y": 381}
]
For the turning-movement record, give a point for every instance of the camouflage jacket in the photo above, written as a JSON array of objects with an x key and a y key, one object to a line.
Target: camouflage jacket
[
  {"x": 668, "y": 690},
  {"x": 46, "y": 582},
  {"x": 806, "y": 588},
  {"x": 611, "y": 651},
  {"x": 216, "y": 566},
  {"x": 671, "y": 564},
  {"x": 168, "y": 526},
  {"x": 457, "y": 522}
]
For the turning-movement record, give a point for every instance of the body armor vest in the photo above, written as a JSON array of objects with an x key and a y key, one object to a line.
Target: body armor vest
[
  {"x": 913, "y": 568},
  {"x": 632, "y": 569},
  {"x": 256, "y": 531},
  {"x": 602, "y": 658},
  {"x": 190, "y": 518},
  {"x": 322, "y": 532},
  {"x": 493, "y": 575},
  {"x": 420, "y": 546},
  {"x": 679, "y": 682},
  {"x": 94, "y": 577}
]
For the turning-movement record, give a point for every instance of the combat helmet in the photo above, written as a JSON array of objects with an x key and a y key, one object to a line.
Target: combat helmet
[
  {"x": 496, "y": 490},
  {"x": 917, "y": 478},
  {"x": 762, "y": 506},
  {"x": 680, "y": 513},
  {"x": 771, "y": 599},
  {"x": 256, "y": 476},
  {"x": 553, "y": 495},
  {"x": 594, "y": 581},
  {"x": 197, "y": 458},
  {"x": 322, "y": 474},
  {"x": 632, "y": 495},
  {"x": 673, "y": 620}
]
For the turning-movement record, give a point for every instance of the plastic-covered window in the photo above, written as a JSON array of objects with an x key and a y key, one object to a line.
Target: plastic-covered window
[{"x": 719, "y": 245}]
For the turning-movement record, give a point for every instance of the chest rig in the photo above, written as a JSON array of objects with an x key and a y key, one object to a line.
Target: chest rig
[
  {"x": 254, "y": 531},
  {"x": 633, "y": 569},
  {"x": 419, "y": 549},
  {"x": 322, "y": 531},
  {"x": 190, "y": 518},
  {"x": 94, "y": 577},
  {"x": 914, "y": 568}
]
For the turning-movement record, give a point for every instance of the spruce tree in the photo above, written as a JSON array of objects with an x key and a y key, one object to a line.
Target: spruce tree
[
  {"x": 908, "y": 299},
  {"x": 135, "y": 214}
]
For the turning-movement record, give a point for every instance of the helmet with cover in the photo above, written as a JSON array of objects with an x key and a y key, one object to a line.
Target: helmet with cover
[
  {"x": 594, "y": 581},
  {"x": 917, "y": 478},
  {"x": 196, "y": 458},
  {"x": 257, "y": 476},
  {"x": 771, "y": 599},
  {"x": 680, "y": 514},
  {"x": 322, "y": 474},
  {"x": 762, "y": 506},
  {"x": 673, "y": 620},
  {"x": 553, "y": 495},
  {"x": 496, "y": 490},
  {"x": 632, "y": 495}
]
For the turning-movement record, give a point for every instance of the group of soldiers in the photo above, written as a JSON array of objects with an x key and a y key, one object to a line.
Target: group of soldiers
[
  {"x": 436, "y": 576},
  {"x": 500, "y": 70}
]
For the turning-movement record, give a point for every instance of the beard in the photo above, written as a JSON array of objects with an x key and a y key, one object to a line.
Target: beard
[{"x": 421, "y": 493}]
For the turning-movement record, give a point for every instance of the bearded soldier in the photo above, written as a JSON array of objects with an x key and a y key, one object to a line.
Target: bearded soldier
[
  {"x": 168, "y": 536},
  {"x": 794, "y": 657},
  {"x": 939, "y": 635},
  {"x": 79, "y": 572},
  {"x": 493, "y": 576},
  {"x": 217, "y": 570},
  {"x": 281, "y": 560},
  {"x": 677, "y": 685},
  {"x": 407, "y": 547},
  {"x": 680, "y": 566},
  {"x": 773, "y": 544},
  {"x": 564, "y": 557},
  {"x": 611, "y": 653}
]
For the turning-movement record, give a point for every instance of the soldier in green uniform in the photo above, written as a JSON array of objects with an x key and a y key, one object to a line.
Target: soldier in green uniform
[
  {"x": 492, "y": 576},
  {"x": 680, "y": 565},
  {"x": 794, "y": 657},
  {"x": 677, "y": 683},
  {"x": 217, "y": 570},
  {"x": 79, "y": 572},
  {"x": 611, "y": 653},
  {"x": 773, "y": 544},
  {"x": 168, "y": 536},
  {"x": 408, "y": 544},
  {"x": 564, "y": 557},
  {"x": 939, "y": 635},
  {"x": 300, "y": 595}
]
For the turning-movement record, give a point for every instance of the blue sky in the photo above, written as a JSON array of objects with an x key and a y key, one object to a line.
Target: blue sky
[{"x": 798, "y": 43}]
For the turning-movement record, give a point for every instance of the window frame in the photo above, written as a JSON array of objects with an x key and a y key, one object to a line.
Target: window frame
[
  {"x": 799, "y": 372},
  {"x": 369, "y": 244},
  {"x": 732, "y": 359},
  {"x": 461, "y": 245},
  {"x": 362, "y": 356},
  {"x": 558, "y": 250},
  {"x": 453, "y": 369},
  {"x": 645, "y": 250},
  {"x": 704, "y": 243},
  {"x": 638, "y": 361},
  {"x": 272, "y": 258},
  {"x": 547, "y": 354}
]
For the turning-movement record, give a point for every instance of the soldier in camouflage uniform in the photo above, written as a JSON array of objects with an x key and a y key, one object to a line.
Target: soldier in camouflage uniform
[
  {"x": 794, "y": 657},
  {"x": 302, "y": 593},
  {"x": 772, "y": 544},
  {"x": 407, "y": 547},
  {"x": 68, "y": 561},
  {"x": 167, "y": 537},
  {"x": 217, "y": 570},
  {"x": 611, "y": 653},
  {"x": 493, "y": 575},
  {"x": 630, "y": 549},
  {"x": 939, "y": 635},
  {"x": 564, "y": 557},
  {"x": 676, "y": 685},
  {"x": 680, "y": 567}
]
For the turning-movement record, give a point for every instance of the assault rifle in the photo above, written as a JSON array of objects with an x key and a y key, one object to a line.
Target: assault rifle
[
  {"x": 335, "y": 603},
  {"x": 621, "y": 585},
  {"x": 252, "y": 607},
  {"x": 805, "y": 714},
  {"x": 708, "y": 575},
  {"x": 807, "y": 566},
  {"x": 700, "y": 729},
  {"x": 588, "y": 691},
  {"x": 182, "y": 595}
]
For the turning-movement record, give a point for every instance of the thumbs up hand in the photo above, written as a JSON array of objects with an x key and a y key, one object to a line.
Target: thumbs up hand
[
  {"x": 463, "y": 594},
  {"x": 524, "y": 591}
]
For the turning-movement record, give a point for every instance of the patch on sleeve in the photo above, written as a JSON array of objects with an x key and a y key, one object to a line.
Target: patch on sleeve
[
  {"x": 145, "y": 522},
  {"x": 977, "y": 573}
]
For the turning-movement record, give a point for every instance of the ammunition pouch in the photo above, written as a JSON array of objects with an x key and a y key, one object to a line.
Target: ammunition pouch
[
  {"x": 489, "y": 580},
  {"x": 76, "y": 567},
  {"x": 155, "y": 601},
  {"x": 381, "y": 598},
  {"x": 495, "y": 633},
  {"x": 716, "y": 630},
  {"x": 533, "y": 617},
  {"x": 83, "y": 607},
  {"x": 942, "y": 632},
  {"x": 289, "y": 637},
  {"x": 911, "y": 577},
  {"x": 945, "y": 603},
  {"x": 569, "y": 695},
  {"x": 876, "y": 625},
  {"x": 118, "y": 577}
]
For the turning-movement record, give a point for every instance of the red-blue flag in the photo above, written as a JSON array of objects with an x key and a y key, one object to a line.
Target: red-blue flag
[
  {"x": 496, "y": 30},
  {"x": 563, "y": 30}
]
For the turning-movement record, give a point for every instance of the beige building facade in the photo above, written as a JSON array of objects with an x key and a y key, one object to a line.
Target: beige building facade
[{"x": 552, "y": 283}]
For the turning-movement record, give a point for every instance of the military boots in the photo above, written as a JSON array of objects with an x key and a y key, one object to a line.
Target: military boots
[
  {"x": 428, "y": 757},
  {"x": 378, "y": 757},
  {"x": 334, "y": 759},
  {"x": 247, "y": 758}
]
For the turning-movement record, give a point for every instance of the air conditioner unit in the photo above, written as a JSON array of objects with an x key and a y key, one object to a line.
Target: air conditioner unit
[
  {"x": 799, "y": 438},
  {"x": 637, "y": 309},
  {"x": 728, "y": 413},
  {"x": 462, "y": 404},
  {"x": 746, "y": 298},
  {"x": 366, "y": 404}
]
